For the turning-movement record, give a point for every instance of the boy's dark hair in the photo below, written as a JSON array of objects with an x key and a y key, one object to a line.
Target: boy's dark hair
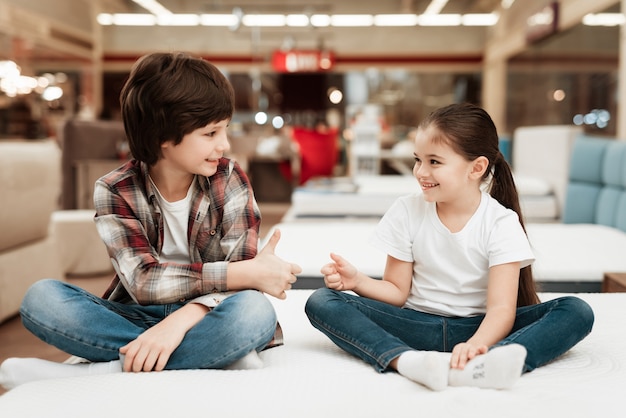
[
  {"x": 470, "y": 131},
  {"x": 169, "y": 95}
]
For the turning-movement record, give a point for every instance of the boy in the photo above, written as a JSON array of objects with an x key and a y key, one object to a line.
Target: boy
[{"x": 181, "y": 226}]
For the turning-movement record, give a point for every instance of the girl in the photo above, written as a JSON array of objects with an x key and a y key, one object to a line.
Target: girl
[{"x": 457, "y": 304}]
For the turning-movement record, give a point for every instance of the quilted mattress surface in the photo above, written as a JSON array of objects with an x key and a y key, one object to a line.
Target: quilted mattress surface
[{"x": 310, "y": 377}]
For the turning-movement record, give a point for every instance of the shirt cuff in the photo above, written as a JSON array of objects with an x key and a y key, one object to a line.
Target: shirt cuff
[
  {"x": 214, "y": 277},
  {"x": 212, "y": 299}
]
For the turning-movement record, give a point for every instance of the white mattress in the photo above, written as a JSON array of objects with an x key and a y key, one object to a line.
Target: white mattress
[
  {"x": 344, "y": 197},
  {"x": 371, "y": 196},
  {"x": 310, "y": 377},
  {"x": 576, "y": 252},
  {"x": 572, "y": 252}
]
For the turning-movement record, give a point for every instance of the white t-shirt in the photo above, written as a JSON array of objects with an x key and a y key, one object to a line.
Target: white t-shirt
[
  {"x": 450, "y": 270},
  {"x": 175, "y": 222},
  {"x": 175, "y": 243}
]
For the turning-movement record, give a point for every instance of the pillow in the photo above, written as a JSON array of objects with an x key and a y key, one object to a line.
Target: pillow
[{"x": 532, "y": 186}]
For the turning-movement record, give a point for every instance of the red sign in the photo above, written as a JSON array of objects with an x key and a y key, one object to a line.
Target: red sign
[{"x": 298, "y": 61}]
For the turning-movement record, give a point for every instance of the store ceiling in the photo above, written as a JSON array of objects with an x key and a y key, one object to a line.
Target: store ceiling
[
  {"x": 26, "y": 50},
  {"x": 308, "y": 6}
]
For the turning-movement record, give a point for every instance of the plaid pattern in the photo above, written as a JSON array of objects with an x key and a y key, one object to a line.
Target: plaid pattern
[{"x": 223, "y": 226}]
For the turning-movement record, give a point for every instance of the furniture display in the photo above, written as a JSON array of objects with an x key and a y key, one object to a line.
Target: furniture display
[
  {"x": 310, "y": 377},
  {"x": 87, "y": 140},
  {"x": 591, "y": 238},
  {"x": 80, "y": 248},
  {"x": 540, "y": 161},
  {"x": 318, "y": 151},
  {"x": 541, "y": 180},
  {"x": 358, "y": 196},
  {"x": 30, "y": 183},
  {"x": 86, "y": 173},
  {"x": 38, "y": 240}
]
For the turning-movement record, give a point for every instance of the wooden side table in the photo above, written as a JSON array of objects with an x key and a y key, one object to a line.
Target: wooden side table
[{"x": 614, "y": 282}]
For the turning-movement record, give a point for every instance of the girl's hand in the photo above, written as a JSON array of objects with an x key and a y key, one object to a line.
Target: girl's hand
[
  {"x": 464, "y": 352},
  {"x": 340, "y": 274}
]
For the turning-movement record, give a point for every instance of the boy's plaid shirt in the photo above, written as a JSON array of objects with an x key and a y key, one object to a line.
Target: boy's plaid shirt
[{"x": 223, "y": 227}]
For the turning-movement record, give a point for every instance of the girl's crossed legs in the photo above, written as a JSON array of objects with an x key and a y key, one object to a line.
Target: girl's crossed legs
[{"x": 378, "y": 332}]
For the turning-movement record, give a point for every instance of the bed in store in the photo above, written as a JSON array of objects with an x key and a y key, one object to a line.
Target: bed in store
[
  {"x": 369, "y": 196},
  {"x": 309, "y": 377},
  {"x": 569, "y": 257}
]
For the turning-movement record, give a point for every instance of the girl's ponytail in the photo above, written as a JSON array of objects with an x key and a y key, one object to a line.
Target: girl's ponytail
[{"x": 503, "y": 189}]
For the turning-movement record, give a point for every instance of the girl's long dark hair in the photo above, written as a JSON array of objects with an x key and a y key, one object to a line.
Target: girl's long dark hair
[{"x": 470, "y": 131}]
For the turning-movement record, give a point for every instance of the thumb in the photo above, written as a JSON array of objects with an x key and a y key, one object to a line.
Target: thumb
[
  {"x": 273, "y": 241},
  {"x": 337, "y": 258}
]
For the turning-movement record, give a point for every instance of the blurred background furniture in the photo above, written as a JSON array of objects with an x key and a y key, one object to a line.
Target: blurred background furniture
[
  {"x": 91, "y": 148},
  {"x": 39, "y": 240},
  {"x": 30, "y": 180},
  {"x": 318, "y": 151},
  {"x": 541, "y": 162}
]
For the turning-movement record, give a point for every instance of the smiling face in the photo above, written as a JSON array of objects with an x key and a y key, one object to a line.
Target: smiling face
[
  {"x": 200, "y": 150},
  {"x": 443, "y": 174}
]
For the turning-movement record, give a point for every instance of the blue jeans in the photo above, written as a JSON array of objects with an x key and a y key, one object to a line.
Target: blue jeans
[
  {"x": 93, "y": 328},
  {"x": 378, "y": 332}
]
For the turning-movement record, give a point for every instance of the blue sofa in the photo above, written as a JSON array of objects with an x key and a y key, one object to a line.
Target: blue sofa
[
  {"x": 573, "y": 255},
  {"x": 597, "y": 188}
]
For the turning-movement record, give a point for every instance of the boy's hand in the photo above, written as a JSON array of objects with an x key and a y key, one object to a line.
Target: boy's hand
[
  {"x": 277, "y": 275},
  {"x": 340, "y": 274},
  {"x": 152, "y": 349}
]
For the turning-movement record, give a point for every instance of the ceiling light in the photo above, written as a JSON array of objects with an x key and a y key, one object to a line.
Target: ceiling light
[
  {"x": 153, "y": 7},
  {"x": 263, "y": 20},
  {"x": 480, "y": 19},
  {"x": 297, "y": 20},
  {"x": 435, "y": 7},
  {"x": 396, "y": 20},
  {"x": 134, "y": 19},
  {"x": 320, "y": 20},
  {"x": 178, "y": 20},
  {"x": 218, "y": 20},
  {"x": 604, "y": 19},
  {"x": 105, "y": 19},
  {"x": 440, "y": 20},
  {"x": 352, "y": 20}
]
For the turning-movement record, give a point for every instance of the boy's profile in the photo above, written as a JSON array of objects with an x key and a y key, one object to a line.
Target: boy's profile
[{"x": 181, "y": 226}]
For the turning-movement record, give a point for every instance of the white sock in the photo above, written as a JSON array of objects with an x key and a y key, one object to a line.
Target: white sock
[
  {"x": 498, "y": 369},
  {"x": 16, "y": 371},
  {"x": 429, "y": 368},
  {"x": 249, "y": 361}
]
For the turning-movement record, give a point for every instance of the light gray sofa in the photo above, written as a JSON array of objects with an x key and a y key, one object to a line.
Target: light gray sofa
[
  {"x": 30, "y": 185},
  {"x": 37, "y": 240}
]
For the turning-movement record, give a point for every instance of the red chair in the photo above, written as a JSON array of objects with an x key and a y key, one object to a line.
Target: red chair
[{"x": 318, "y": 152}]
